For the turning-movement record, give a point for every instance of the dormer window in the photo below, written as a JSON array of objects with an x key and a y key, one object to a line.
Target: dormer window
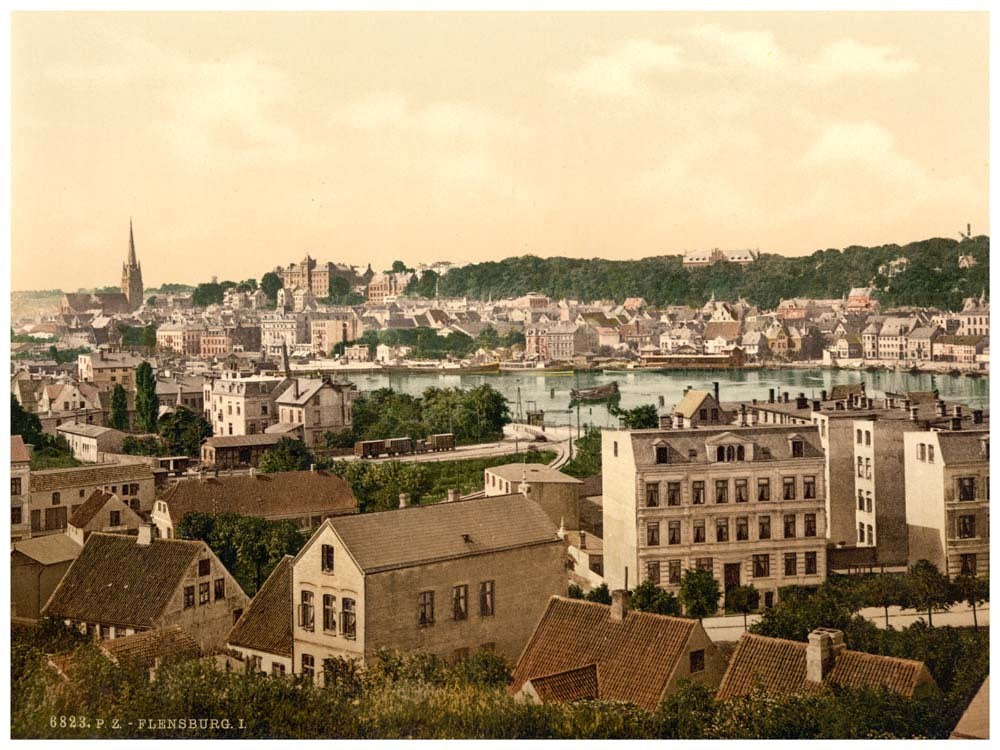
[
  {"x": 730, "y": 453},
  {"x": 798, "y": 449},
  {"x": 662, "y": 455}
]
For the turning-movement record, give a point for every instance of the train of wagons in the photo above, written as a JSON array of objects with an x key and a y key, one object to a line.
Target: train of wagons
[{"x": 403, "y": 446}]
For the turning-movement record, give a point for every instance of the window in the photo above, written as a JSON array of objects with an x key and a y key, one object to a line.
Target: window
[
  {"x": 105, "y": 631},
  {"x": 254, "y": 663},
  {"x": 652, "y": 534},
  {"x": 698, "y": 492},
  {"x": 740, "y": 486},
  {"x": 789, "y": 525},
  {"x": 673, "y": 493},
  {"x": 764, "y": 527},
  {"x": 306, "y": 613},
  {"x": 56, "y": 498},
  {"x": 703, "y": 414},
  {"x": 721, "y": 491},
  {"x": 204, "y": 567},
  {"x": 968, "y": 562},
  {"x": 868, "y": 437},
  {"x": 858, "y": 439},
  {"x": 722, "y": 529},
  {"x": 788, "y": 488},
  {"x": 810, "y": 563},
  {"x": 15, "y": 485},
  {"x": 15, "y": 515},
  {"x": 308, "y": 665},
  {"x": 809, "y": 488},
  {"x": 653, "y": 571},
  {"x": 277, "y": 669},
  {"x": 763, "y": 490},
  {"x": 861, "y": 467},
  {"x": 868, "y": 468},
  {"x": 703, "y": 563},
  {"x": 661, "y": 454},
  {"x": 326, "y": 556},
  {"x": 203, "y": 593},
  {"x": 921, "y": 452},
  {"x": 188, "y": 597},
  {"x": 652, "y": 494},
  {"x": 742, "y": 529},
  {"x": 798, "y": 449},
  {"x": 348, "y": 619},
  {"x": 697, "y": 661},
  {"x": 329, "y": 613},
  {"x": 220, "y": 588},
  {"x": 809, "y": 524},
  {"x": 425, "y": 608},
  {"x": 614, "y": 446},
  {"x": 861, "y": 500},
  {"x": 115, "y": 518},
  {"x": 674, "y": 532},
  {"x": 861, "y": 533},
  {"x": 761, "y": 566},
  {"x": 966, "y": 527},
  {"x": 871, "y": 534},
  {"x": 460, "y": 602},
  {"x": 699, "y": 532},
  {"x": 791, "y": 563},
  {"x": 486, "y": 598},
  {"x": 674, "y": 571},
  {"x": 966, "y": 488},
  {"x": 868, "y": 501}
]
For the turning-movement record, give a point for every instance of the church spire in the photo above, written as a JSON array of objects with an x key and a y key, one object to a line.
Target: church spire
[{"x": 132, "y": 263}]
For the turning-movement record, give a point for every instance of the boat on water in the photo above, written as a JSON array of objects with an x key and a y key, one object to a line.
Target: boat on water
[
  {"x": 443, "y": 368},
  {"x": 596, "y": 393},
  {"x": 955, "y": 373},
  {"x": 541, "y": 368}
]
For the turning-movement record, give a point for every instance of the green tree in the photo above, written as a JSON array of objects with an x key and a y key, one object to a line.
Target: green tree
[
  {"x": 642, "y": 417},
  {"x": 885, "y": 590},
  {"x": 699, "y": 593},
  {"x": 247, "y": 285},
  {"x": 119, "y": 408},
  {"x": 149, "y": 336},
  {"x": 972, "y": 590},
  {"x": 587, "y": 458},
  {"x": 601, "y": 595},
  {"x": 399, "y": 266},
  {"x": 183, "y": 430},
  {"x": 744, "y": 600},
  {"x": 25, "y": 424},
  {"x": 147, "y": 404},
  {"x": 648, "y": 597},
  {"x": 144, "y": 446},
  {"x": 339, "y": 288},
  {"x": 928, "y": 590},
  {"x": 484, "y": 668},
  {"x": 270, "y": 283},
  {"x": 210, "y": 293},
  {"x": 288, "y": 454}
]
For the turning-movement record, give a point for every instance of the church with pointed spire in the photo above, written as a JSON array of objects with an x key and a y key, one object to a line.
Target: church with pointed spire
[{"x": 132, "y": 274}]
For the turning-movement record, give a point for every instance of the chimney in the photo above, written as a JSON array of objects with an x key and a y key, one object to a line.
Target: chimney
[
  {"x": 890, "y": 402},
  {"x": 906, "y": 404},
  {"x": 715, "y": 389},
  {"x": 312, "y": 467},
  {"x": 404, "y": 499},
  {"x": 977, "y": 416},
  {"x": 452, "y": 495},
  {"x": 801, "y": 402},
  {"x": 145, "y": 535},
  {"x": 956, "y": 411},
  {"x": 822, "y": 395},
  {"x": 825, "y": 645},
  {"x": 753, "y": 401},
  {"x": 956, "y": 424},
  {"x": 942, "y": 409},
  {"x": 785, "y": 395},
  {"x": 619, "y": 604},
  {"x": 583, "y": 539},
  {"x": 817, "y": 405},
  {"x": 252, "y": 472},
  {"x": 914, "y": 410},
  {"x": 770, "y": 395}
]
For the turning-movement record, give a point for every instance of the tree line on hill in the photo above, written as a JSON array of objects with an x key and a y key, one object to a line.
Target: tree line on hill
[
  {"x": 931, "y": 277},
  {"x": 427, "y": 343}
]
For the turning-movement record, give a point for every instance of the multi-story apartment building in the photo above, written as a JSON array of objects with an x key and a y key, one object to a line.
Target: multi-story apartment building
[
  {"x": 311, "y": 407},
  {"x": 948, "y": 498},
  {"x": 892, "y": 337},
  {"x": 180, "y": 338},
  {"x": 334, "y": 328},
  {"x": 280, "y": 330},
  {"x": 384, "y": 287},
  {"x": 315, "y": 276},
  {"x": 450, "y": 579},
  {"x": 746, "y": 503},
  {"x": 974, "y": 319},
  {"x": 219, "y": 340},
  {"x": 106, "y": 369},
  {"x": 236, "y": 405},
  {"x": 560, "y": 341}
]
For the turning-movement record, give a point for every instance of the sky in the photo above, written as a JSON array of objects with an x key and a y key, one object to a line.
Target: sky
[{"x": 237, "y": 142}]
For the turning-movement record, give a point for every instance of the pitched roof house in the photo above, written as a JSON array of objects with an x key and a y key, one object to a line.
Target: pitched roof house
[
  {"x": 120, "y": 585},
  {"x": 263, "y": 635},
  {"x": 102, "y": 511},
  {"x": 781, "y": 666},
  {"x": 584, "y": 650}
]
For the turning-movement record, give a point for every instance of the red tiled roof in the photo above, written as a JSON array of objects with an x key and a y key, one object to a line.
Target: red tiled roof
[
  {"x": 635, "y": 657},
  {"x": 171, "y": 644},
  {"x": 267, "y": 624},
  {"x": 572, "y": 685},
  {"x": 18, "y": 450},
  {"x": 779, "y": 666}
]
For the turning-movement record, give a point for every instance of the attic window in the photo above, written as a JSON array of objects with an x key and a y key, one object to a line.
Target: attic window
[
  {"x": 661, "y": 454},
  {"x": 730, "y": 453},
  {"x": 798, "y": 449}
]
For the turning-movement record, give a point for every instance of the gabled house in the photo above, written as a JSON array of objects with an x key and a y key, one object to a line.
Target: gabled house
[
  {"x": 699, "y": 408},
  {"x": 36, "y": 567},
  {"x": 102, "y": 511},
  {"x": 582, "y": 650},
  {"x": 263, "y": 635},
  {"x": 120, "y": 585},
  {"x": 308, "y": 408}
]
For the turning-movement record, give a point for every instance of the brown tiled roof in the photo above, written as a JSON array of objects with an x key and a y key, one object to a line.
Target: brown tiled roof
[
  {"x": 421, "y": 534},
  {"x": 275, "y": 495},
  {"x": 49, "y": 549},
  {"x": 779, "y": 666},
  {"x": 171, "y": 644},
  {"x": 572, "y": 685},
  {"x": 267, "y": 623},
  {"x": 846, "y": 390},
  {"x": 117, "y": 581},
  {"x": 18, "y": 450},
  {"x": 635, "y": 657},
  {"x": 963, "y": 446},
  {"x": 90, "y": 508},
  {"x": 233, "y": 441},
  {"x": 48, "y": 480}
]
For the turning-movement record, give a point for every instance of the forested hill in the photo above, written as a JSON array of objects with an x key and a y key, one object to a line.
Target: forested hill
[{"x": 931, "y": 278}]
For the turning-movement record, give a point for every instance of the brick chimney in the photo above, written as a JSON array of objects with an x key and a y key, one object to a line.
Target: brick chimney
[
  {"x": 452, "y": 495},
  {"x": 404, "y": 499},
  {"x": 619, "y": 604},
  {"x": 825, "y": 645},
  {"x": 145, "y": 537}
]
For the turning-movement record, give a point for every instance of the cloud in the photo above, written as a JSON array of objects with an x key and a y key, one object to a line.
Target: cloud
[
  {"x": 444, "y": 119},
  {"x": 625, "y": 71},
  {"x": 848, "y": 57}
]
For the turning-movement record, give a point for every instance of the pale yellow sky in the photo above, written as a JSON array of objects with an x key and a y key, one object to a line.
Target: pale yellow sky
[{"x": 238, "y": 141}]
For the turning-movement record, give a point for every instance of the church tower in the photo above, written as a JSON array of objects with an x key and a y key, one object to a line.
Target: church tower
[{"x": 132, "y": 274}]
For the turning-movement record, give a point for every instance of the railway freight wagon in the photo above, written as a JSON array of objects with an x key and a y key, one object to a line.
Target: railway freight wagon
[
  {"x": 444, "y": 441},
  {"x": 404, "y": 446}
]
